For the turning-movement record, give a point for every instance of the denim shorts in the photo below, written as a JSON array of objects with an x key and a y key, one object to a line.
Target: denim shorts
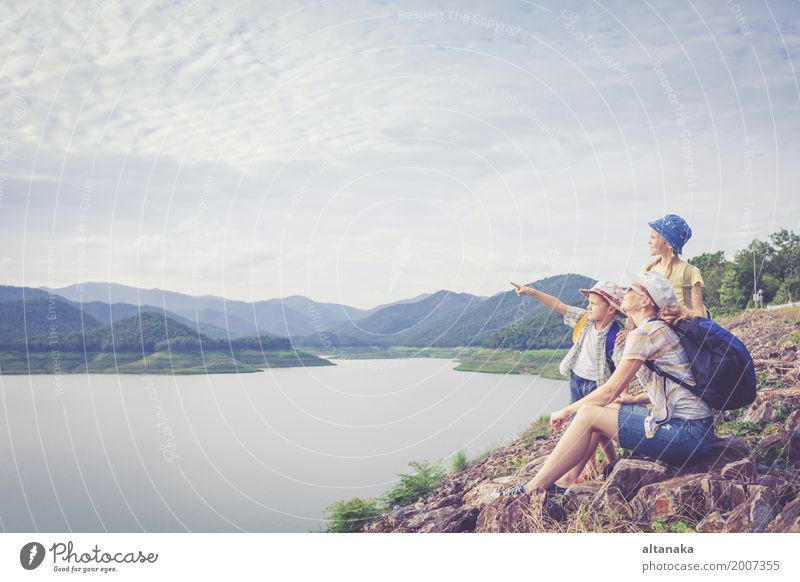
[
  {"x": 676, "y": 442},
  {"x": 579, "y": 387}
]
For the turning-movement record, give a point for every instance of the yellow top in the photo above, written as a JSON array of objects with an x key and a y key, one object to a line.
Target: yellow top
[{"x": 684, "y": 277}]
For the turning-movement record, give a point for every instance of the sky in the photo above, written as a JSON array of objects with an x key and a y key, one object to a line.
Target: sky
[{"x": 366, "y": 152}]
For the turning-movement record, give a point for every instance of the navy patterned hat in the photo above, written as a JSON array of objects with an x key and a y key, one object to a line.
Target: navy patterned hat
[{"x": 674, "y": 230}]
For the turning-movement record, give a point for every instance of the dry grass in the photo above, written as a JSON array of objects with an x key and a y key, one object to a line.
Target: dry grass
[{"x": 589, "y": 518}]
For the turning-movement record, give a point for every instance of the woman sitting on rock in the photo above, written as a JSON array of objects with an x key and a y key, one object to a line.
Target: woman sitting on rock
[{"x": 678, "y": 428}]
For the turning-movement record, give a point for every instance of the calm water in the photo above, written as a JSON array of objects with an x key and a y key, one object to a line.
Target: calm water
[{"x": 255, "y": 452}]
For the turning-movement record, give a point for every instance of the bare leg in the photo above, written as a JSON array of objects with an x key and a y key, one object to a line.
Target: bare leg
[
  {"x": 575, "y": 443},
  {"x": 573, "y": 474},
  {"x": 606, "y": 445},
  {"x": 609, "y": 450}
]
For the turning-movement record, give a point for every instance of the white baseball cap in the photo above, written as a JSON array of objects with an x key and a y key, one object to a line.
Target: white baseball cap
[{"x": 659, "y": 288}]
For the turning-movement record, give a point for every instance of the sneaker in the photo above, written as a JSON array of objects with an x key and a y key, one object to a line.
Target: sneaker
[{"x": 513, "y": 492}]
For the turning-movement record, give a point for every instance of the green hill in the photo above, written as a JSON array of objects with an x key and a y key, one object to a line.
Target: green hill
[
  {"x": 40, "y": 316},
  {"x": 147, "y": 342},
  {"x": 543, "y": 330},
  {"x": 12, "y": 293},
  {"x": 447, "y": 319},
  {"x": 396, "y": 324}
]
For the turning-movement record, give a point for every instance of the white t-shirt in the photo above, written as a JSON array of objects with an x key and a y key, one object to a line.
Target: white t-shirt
[{"x": 586, "y": 366}]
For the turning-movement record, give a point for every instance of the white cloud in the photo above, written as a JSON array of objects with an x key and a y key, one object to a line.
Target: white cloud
[{"x": 495, "y": 130}]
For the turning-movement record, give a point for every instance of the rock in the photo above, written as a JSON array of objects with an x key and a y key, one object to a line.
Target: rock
[
  {"x": 446, "y": 520},
  {"x": 793, "y": 446},
  {"x": 742, "y": 470},
  {"x": 480, "y": 495},
  {"x": 503, "y": 481},
  {"x": 722, "y": 495},
  {"x": 463, "y": 520},
  {"x": 712, "y": 523},
  {"x": 772, "y": 428},
  {"x": 448, "y": 501},
  {"x": 524, "y": 513},
  {"x": 792, "y": 425},
  {"x": 763, "y": 412},
  {"x": 787, "y": 397},
  {"x": 399, "y": 513},
  {"x": 450, "y": 488},
  {"x": 529, "y": 470},
  {"x": 788, "y": 520},
  {"x": 723, "y": 452},
  {"x": 580, "y": 494},
  {"x": 755, "y": 514},
  {"x": 775, "y": 482},
  {"x": 771, "y": 442},
  {"x": 678, "y": 497},
  {"x": 628, "y": 476}
]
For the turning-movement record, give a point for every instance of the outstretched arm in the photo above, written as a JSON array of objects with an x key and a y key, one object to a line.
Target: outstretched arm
[
  {"x": 604, "y": 394},
  {"x": 553, "y": 303}
]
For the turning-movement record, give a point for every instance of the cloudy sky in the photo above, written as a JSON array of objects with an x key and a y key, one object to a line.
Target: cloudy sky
[{"x": 363, "y": 152}]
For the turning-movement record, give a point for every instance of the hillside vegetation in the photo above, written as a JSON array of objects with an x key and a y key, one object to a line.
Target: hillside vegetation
[{"x": 145, "y": 342}]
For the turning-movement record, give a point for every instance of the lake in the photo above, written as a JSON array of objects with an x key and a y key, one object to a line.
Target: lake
[{"x": 262, "y": 452}]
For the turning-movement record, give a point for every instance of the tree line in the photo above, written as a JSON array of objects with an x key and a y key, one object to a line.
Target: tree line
[{"x": 771, "y": 266}]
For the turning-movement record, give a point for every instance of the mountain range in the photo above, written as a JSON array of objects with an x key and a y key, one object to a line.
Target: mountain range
[{"x": 444, "y": 318}]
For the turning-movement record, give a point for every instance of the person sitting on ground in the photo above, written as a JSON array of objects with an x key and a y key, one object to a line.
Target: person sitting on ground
[
  {"x": 593, "y": 356},
  {"x": 677, "y": 430}
]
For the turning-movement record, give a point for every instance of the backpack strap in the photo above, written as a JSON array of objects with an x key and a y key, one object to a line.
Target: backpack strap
[
  {"x": 653, "y": 368},
  {"x": 687, "y": 285},
  {"x": 611, "y": 338},
  {"x": 576, "y": 332}
]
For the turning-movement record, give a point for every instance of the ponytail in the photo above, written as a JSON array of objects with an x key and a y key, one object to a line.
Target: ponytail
[
  {"x": 672, "y": 314},
  {"x": 673, "y": 261},
  {"x": 652, "y": 264}
]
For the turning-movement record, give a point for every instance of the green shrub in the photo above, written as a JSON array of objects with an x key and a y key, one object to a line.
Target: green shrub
[
  {"x": 736, "y": 428},
  {"x": 459, "y": 462},
  {"x": 790, "y": 340},
  {"x": 351, "y": 515},
  {"x": 676, "y": 527},
  {"x": 413, "y": 486},
  {"x": 517, "y": 462}
]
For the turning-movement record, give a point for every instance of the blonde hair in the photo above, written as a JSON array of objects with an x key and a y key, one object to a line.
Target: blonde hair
[
  {"x": 672, "y": 314},
  {"x": 674, "y": 259}
]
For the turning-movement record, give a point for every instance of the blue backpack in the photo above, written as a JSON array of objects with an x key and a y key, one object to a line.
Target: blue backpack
[{"x": 723, "y": 370}]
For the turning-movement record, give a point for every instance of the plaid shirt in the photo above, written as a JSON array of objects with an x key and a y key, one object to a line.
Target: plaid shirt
[
  {"x": 654, "y": 340},
  {"x": 571, "y": 318}
]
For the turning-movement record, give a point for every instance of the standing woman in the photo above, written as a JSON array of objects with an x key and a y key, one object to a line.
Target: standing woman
[{"x": 667, "y": 237}]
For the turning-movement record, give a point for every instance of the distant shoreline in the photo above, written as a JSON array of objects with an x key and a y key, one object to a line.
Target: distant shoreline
[
  {"x": 541, "y": 362},
  {"x": 162, "y": 362}
]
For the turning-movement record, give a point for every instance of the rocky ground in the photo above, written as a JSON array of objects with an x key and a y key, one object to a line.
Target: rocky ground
[{"x": 749, "y": 483}]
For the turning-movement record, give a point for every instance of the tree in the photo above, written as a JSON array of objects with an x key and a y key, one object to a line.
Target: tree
[
  {"x": 712, "y": 266},
  {"x": 731, "y": 296},
  {"x": 786, "y": 265}
]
